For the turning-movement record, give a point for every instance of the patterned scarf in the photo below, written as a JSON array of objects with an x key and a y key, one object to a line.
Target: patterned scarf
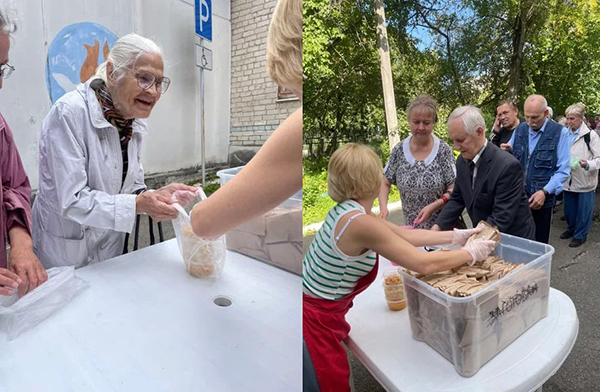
[{"x": 112, "y": 116}]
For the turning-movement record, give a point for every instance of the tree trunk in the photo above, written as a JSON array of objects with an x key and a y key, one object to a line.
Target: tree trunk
[
  {"x": 386, "y": 76},
  {"x": 335, "y": 131},
  {"x": 455, "y": 75},
  {"x": 516, "y": 61}
]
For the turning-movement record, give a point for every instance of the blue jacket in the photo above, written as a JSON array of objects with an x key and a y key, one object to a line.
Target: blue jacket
[{"x": 541, "y": 165}]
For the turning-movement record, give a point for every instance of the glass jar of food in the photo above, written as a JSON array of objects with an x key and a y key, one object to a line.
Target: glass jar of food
[{"x": 393, "y": 288}]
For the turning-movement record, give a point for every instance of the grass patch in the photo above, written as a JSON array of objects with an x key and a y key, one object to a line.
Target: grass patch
[
  {"x": 315, "y": 201},
  {"x": 209, "y": 188}
]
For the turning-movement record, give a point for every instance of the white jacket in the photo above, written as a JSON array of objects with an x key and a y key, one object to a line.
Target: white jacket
[
  {"x": 582, "y": 180},
  {"x": 81, "y": 212}
]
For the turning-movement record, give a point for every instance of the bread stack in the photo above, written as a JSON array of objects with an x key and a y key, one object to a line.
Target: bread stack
[
  {"x": 275, "y": 237},
  {"x": 469, "y": 314}
]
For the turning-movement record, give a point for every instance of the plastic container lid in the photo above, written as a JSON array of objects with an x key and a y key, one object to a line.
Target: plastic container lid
[{"x": 226, "y": 175}]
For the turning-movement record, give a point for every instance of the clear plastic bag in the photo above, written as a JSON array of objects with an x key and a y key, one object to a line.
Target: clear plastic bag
[
  {"x": 18, "y": 315},
  {"x": 203, "y": 258}
]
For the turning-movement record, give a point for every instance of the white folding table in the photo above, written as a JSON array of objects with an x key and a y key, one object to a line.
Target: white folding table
[
  {"x": 382, "y": 340},
  {"x": 145, "y": 324}
]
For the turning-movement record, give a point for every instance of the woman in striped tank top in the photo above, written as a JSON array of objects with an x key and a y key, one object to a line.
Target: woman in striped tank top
[{"x": 342, "y": 262}]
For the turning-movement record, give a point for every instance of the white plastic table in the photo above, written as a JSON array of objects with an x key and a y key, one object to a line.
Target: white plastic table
[
  {"x": 382, "y": 340},
  {"x": 144, "y": 324}
]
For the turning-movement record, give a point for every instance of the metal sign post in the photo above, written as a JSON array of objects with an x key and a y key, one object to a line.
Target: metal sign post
[
  {"x": 202, "y": 127},
  {"x": 203, "y": 18}
]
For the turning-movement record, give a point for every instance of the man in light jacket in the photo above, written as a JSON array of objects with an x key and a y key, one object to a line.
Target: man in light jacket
[{"x": 580, "y": 187}]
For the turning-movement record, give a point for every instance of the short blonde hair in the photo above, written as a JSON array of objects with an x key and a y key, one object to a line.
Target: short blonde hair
[
  {"x": 284, "y": 45},
  {"x": 424, "y": 102},
  {"x": 577, "y": 109},
  {"x": 354, "y": 172}
]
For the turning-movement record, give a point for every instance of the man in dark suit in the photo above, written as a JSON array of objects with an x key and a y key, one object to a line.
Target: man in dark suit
[{"x": 489, "y": 182}]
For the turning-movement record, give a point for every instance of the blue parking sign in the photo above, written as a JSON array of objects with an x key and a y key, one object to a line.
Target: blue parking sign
[{"x": 203, "y": 11}]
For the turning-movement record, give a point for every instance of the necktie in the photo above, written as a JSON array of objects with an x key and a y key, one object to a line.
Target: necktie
[{"x": 471, "y": 171}]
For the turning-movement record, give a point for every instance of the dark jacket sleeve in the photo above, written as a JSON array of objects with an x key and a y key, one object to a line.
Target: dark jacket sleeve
[
  {"x": 451, "y": 211},
  {"x": 509, "y": 193},
  {"x": 15, "y": 184}
]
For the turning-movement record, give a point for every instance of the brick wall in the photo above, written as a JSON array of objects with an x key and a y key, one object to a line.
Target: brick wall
[{"x": 255, "y": 110}]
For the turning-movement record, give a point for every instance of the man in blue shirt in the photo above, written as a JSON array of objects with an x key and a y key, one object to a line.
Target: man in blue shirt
[{"x": 542, "y": 147}]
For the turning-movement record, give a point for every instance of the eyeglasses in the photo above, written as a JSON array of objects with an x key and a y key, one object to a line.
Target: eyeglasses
[
  {"x": 146, "y": 80},
  {"x": 6, "y": 70}
]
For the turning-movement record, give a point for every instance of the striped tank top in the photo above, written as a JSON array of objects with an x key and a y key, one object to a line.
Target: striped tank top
[{"x": 327, "y": 272}]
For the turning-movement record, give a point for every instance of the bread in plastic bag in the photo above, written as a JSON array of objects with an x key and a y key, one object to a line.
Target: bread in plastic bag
[
  {"x": 203, "y": 258},
  {"x": 18, "y": 315}
]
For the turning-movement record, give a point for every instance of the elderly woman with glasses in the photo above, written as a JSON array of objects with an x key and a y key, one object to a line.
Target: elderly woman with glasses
[
  {"x": 91, "y": 176},
  {"x": 20, "y": 268}
]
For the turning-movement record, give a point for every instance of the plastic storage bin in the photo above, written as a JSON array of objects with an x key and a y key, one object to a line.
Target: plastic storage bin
[
  {"x": 470, "y": 331},
  {"x": 226, "y": 175},
  {"x": 275, "y": 237}
]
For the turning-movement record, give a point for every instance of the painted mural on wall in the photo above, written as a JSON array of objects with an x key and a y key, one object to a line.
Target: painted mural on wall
[{"x": 74, "y": 55}]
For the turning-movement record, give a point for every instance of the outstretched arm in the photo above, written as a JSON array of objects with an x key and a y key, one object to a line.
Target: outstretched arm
[
  {"x": 272, "y": 176},
  {"x": 372, "y": 233}
]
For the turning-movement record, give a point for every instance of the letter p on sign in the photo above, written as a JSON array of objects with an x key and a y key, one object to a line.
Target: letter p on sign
[{"x": 203, "y": 16}]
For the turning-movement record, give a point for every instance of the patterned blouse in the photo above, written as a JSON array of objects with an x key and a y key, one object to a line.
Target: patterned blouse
[{"x": 420, "y": 182}]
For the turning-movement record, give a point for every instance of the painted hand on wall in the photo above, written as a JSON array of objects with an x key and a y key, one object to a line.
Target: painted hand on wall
[
  {"x": 88, "y": 69},
  {"x": 91, "y": 61}
]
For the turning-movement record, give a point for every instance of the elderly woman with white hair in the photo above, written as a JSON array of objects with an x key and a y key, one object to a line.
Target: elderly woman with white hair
[
  {"x": 91, "y": 176},
  {"x": 580, "y": 187},
  {"x": 275, "y": 172}
]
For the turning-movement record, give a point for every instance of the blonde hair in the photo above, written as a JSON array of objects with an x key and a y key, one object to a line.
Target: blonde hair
[
  {"x": 354, "y": 172},
  {"x": 127, "y": 50},
  {"x": 284, "y": 45},
  {"x": 424, "y": 102},
  {"x": 577, "y": 109}
]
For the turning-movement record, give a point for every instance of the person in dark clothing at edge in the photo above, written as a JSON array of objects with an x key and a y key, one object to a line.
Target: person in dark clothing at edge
[{"x": 507, "y": 119}]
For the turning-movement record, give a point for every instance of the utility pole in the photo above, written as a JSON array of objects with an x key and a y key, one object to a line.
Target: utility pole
[{"x": 386, "y": 75}]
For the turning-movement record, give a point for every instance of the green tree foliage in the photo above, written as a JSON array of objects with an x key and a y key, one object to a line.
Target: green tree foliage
[
  {"x": 564, "y": 59},
  {"x": 342, "y": 89},
  {"x": 471, "y": 52}
]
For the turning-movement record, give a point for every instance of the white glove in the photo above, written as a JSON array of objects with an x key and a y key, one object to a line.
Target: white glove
[
  {"x": 461, "y": 236},
  {"x": 479, "y": 249}
]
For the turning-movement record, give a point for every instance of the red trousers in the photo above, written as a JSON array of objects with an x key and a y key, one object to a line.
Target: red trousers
[{"x": 324, "y": 327}]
